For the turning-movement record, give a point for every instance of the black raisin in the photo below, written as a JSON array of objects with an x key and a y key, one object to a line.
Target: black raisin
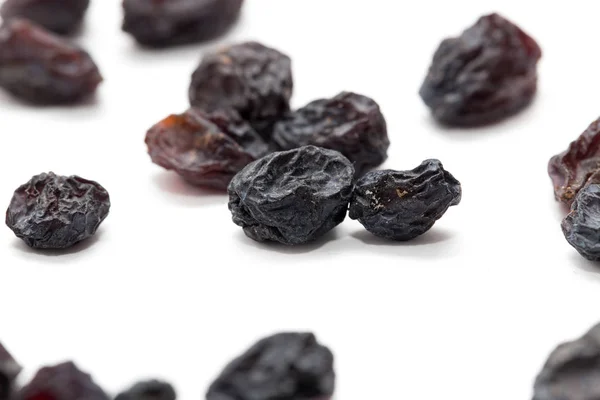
[
  {"x": 56, "y": 212},
  {"x": 9, "y": 370},
  {"x": 206, "y": 149},
  {"x": 250, "y": 78},
  {"x": 59, "y": 16},
  {"x": 149, "y": 390},
  {"x": 484, "y": 75},
  {"x": 284, "y": 366},
  {"x": 401, "y": 205},
  {"x": 349, "y": 123},
  {"x": 40, "y": 67},
  {"x": 292, "y": 197}
]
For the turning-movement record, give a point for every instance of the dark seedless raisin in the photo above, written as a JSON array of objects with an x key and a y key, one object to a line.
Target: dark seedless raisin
[
  {"x": 149, "y": 390},
  {"x": 284, "y": 366},
  {"x": 401, "y": 205},
  {"x": 9, "y": 370},
  {"x": 349, "y": 123},
  {"x": 484, "y": 75},
  {"x": 60, "y": 16},
  {"x": 292, "y": 197},
  {"x": 56, "y": 212},
  {"x": 40, "y": 67}
]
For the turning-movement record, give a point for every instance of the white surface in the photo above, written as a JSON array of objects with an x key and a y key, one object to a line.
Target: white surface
[{"x": 172, "y": 288}]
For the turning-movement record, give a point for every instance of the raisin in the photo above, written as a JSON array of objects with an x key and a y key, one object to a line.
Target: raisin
[
  {"x": 149, "y": 390},
  {"x": 169, "y": 23},
  {"x": 401, "y": 205},
  {"x": 293, "y": 196},
  {"x": 9, "y": 370},
  {"x": 40, "y": 67},
  {"x": 486, "y": 74},
  {"x": 206, "y": 149},
  {"x": 250, "y": 78},
  {"x": 61, "y": 382},
  {"x": 284, "y": 366},
  {"x": 59, "y": 16},
  {"x": 349, "y": 123},
  {"x": 56, "y": 212}
]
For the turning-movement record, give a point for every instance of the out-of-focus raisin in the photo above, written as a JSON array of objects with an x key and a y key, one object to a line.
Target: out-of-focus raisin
[
  {"x": 9, "y": 370},
  {"x": 149, "y": 390},
  {"x": 60, "y": 16}
]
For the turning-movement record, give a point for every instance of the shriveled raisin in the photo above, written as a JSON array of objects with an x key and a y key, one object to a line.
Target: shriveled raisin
[
  {"x": 206, "y": 149},
  {"x": 292, "y": 197},
  {"x": 149, "y": 390},
  {"x": 40, "y": 67},
  {"x": 56, "y": 212},
  {"x": 284, "y": 366},
  {"x": 349, "y": 123},
  {"x": 59, "y": 16},
  {"x": 9, "y": 370},
  {"x": 401, "y": 205},
  {"x": 484, "y": 75}
]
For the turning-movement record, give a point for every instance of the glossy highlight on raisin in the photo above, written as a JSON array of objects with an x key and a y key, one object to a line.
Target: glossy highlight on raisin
[
  {"x": 149, "y": 390},
  {"x": 486, "y": 74},
  {"x": 9, "y": 370},
  {"x": 59, "y": 16}
]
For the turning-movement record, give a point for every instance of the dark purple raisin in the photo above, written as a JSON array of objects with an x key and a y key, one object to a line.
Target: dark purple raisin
[
  {"x": 250, "y": 78},
  {"x": 149, "y": 390},
  {"x": 206, "y": 149},
  {"x": 9, "y": 370},
  {"x": 284, "y": 366},
  {"x": 401, "y": 205},
  {"x": 292, "y": 197},
  {"x": 349, "y": 123},
  {"x": 59, "y": 16},
  {"x": 56, "y": 212},
  {"x": 486, "y": 74},
  {"x": 40, "y": 67}
]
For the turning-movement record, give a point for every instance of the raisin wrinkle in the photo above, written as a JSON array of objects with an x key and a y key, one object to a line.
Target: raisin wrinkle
[
  {"x": 349, "y": 123},
  {"x": 149, "y": 390},
  {"x": 9, "y": 370},
  {"x": 486, "y": 74},
  {"x": 401, "y": 205},
  {"x": 292, "y": 197},
  {"x": 284, "y": 366},
  {"x": 56, "y": 212},
  {"x": 59, "y": 16}
]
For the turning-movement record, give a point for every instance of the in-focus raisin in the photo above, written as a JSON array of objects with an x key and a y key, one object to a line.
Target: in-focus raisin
[
  {"x": 40, "y": 67},
  {"x": 206, "y": 149},
  {"x": 9, "y": 370},
  {"x": 292, "y": 197},
  {"x": 250, "y": 78},
  {"x": 349, "y": 123},
  {"x": 401, "y": 205},
  {"x": 56, "y": 212},
  {"x": 484, "y": 75},
  {"x": 59, "y": 16},
  {"x": 149, "y": 390},
  {"x": 284, "y": 366}
]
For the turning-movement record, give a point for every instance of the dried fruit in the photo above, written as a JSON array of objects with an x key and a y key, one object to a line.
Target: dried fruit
[
  {"x": 484, "y": 75},
  {"x": 166, "y": 23},
  {"x": 61, "y": 382},
  {"x": 349, "y": 123},
  {"x": 206, "y": 149},
  {"x": 59, "y": 16},
  {"x": 149, "y": 390},
  {"x": 56, "y": 212},
  {"x": 40, "y": 67},
  {"x": 401, "y": 205},
  {"x": 284, "y": 366},
  {"x": 9, "y": 370},
  {"x": 292, "y": 197},
  {"x": 250, "y": 78},
  {"x": 572, "y": 370}
]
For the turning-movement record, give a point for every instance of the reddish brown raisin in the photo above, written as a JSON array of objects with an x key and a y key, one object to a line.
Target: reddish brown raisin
[{"x": 60, "y": 16}]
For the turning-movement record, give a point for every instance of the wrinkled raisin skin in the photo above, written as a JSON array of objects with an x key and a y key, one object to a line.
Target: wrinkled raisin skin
[
  {"x": 59, "y": 16},
  {"x": 206, "y": 149},
  {"x": 401, "y": 205},
  {"x": 56, "y": 212},
  {"x": 149, "y": 390},
  {"x": 284, "y": 366},
  {"x": 42, "y": 68},
  {"x": 349, "y": 123},
  {"x": 292, "y": 197},
  {"x": 9, "y": 370},
  {"x": 485, "y": 75}
]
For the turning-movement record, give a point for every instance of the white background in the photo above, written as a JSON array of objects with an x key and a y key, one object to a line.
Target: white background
[{"x": 171, "y": 288}]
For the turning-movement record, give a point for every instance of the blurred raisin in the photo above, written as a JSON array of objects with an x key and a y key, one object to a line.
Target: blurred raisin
[
  {"x": 292, "y": 197},
  {"x": 284, "y": 366},
  {"x": 149, "y": 390},
  {"x": 56, "y": 212},
  {"x": 40, "y": 67},
  {"x": 349, "y": 123},
  {"x": 59, "y": 16},
  {"x": 206, "y": 149},
  {"x": 484, "y": 75},
  {"x": 166, "y": 23},
  {"x": 248, "y": 77},
  {"x": 401, "y": 205},
  {"x": 9, "y": 370}
]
